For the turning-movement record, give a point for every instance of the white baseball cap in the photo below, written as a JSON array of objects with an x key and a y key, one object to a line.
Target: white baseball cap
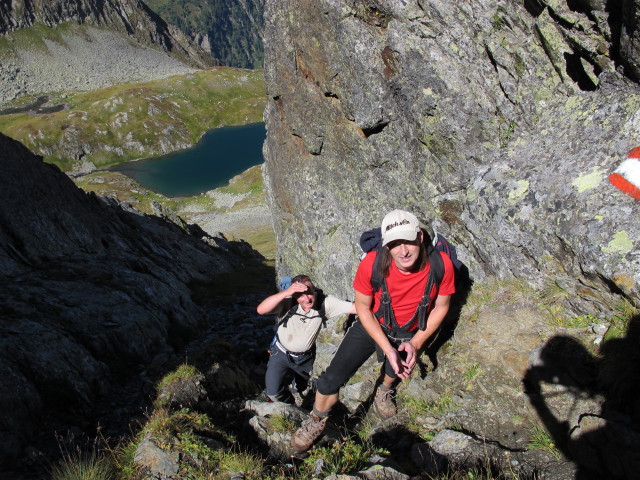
[{"x": 399, "y": 225}]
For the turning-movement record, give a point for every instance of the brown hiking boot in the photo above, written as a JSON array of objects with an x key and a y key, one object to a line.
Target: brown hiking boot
[
  {"x": 310, "y": 430},
  {"x": 384, "y": 402}
]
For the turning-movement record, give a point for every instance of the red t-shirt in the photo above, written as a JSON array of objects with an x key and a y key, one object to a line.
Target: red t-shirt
[{"x": 406, "y": 290}]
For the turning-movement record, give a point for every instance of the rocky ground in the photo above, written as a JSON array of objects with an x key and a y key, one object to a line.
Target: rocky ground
[{"x": 96, "y": 60}]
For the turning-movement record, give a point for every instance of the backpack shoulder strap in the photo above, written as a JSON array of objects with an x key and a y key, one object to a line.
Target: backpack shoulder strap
[
  {"x": 376, "y": 273},
  {"x": 436, "y": 272},
  {"x": 320, "y": 301},
  {"x": 285, "y": 318},
  {"x": 445, "y": 246},
  {"x": 437, "y": 267}
]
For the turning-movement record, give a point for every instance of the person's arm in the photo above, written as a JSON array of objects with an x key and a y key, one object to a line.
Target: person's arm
[
  {"x": 434, "y": 320},
  {"x": 270, "y": 304},
  {"x": 372, "y": 326}
]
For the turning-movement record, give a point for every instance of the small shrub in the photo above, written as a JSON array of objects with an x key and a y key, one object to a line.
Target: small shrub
[
  {"x": 580, "y": 321},
  {"x": 419, "y": 405},
  {"x": 619, "y": 324},
  {"x": 241, "y": 461},
  {"x": 472, "y": 372}
]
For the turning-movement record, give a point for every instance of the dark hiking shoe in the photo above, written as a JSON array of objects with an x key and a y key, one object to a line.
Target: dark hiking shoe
[
  {"x": 385, "y": 403},
  {"x": 310, "y": 430}
]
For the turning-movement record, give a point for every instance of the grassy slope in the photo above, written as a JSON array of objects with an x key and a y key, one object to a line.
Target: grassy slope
[
  {"x": 131, "y": 121},
  {"x": 248, "y": 185}
]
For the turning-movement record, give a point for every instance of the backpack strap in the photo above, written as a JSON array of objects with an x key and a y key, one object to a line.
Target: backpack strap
[
  {"x": 436, "y": 272},
  {"x": 377, "y": 279},
  {"x": 285, "y": 318},
  {"x": 320, "y": 298}
]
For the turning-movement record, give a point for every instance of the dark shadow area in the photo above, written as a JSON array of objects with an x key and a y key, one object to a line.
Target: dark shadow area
[
  {"x": 375, "y": 129},
  {"x": 577, "y": 73},
  {"x": 534, "y": 7},
  {"x": 37, "y": 107},
  {"x": 604, "y": 444},
  {"x": 616, "y": 20},
  {"x": 398, "y": 440},
  {"x": 444, "y": 334}
]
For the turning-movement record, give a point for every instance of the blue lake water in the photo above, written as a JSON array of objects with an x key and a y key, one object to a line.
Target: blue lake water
[{"x": 220, "y": 155}]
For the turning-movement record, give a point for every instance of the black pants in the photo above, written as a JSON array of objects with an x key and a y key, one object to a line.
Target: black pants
[
  {"x": 356, "y": 347},
  {"x": 283, "y": 368}
]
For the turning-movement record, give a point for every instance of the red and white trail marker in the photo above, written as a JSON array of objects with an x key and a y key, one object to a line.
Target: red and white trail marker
[{"x": 627, "y": 176}]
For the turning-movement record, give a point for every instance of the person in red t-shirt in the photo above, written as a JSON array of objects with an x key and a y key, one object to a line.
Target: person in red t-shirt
[{"x": 405, "y": 268}]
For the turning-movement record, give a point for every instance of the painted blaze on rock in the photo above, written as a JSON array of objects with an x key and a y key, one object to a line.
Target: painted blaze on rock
[{"x": 627, "y": 176}]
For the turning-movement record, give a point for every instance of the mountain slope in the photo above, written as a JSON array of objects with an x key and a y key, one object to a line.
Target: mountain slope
[
  {"x": 230, "y": 30},
  {"x": 90, "y": 293},
  {"x": 129, "y": 17}
]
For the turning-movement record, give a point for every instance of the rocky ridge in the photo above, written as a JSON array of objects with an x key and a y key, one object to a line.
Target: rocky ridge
[
  {"x": 129, "y": 17},
  {"x": 230, "y": 30},
  {"x": 82, "y": 60},
  {"x": 497, "y": 122}
]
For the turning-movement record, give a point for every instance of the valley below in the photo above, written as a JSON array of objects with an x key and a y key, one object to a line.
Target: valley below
[{"x": 96, "y": 109}]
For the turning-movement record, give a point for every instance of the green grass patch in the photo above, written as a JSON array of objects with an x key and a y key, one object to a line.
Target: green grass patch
[
  {"x": 578, "y": 322},
  {"x": 184, "y": 372},
  {"x": 205, "y": 451},
  {"x": 472, "y": 371},
  {"x": 539, "y": 439},
  {"x": 415, "y": 408},
  {"x": 344, "y": 457},
  {"x": 33, "y": 38},
  {"x": 494, "y": 293},
  {"x": 625, "y": 311},
  {"x": 441, "y": 406},
  {"x": 81, "y": 466},
  {"x": 281, "y": 423}
]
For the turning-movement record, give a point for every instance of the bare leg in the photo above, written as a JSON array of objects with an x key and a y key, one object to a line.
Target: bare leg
[
  {"x": 324, "y": 403},
  {"x": 388, "y": 381}
]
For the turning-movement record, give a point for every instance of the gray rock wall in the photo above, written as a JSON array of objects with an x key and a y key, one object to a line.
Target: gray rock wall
[{"x": 498, "y": 121}]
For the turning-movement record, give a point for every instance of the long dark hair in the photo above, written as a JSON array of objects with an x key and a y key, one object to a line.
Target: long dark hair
[{"x": 421, "y": 262}]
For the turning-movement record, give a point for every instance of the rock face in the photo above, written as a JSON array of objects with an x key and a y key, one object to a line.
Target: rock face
[
  {"x": 497, "y": 121},
  {"x": 132, "y": 17},
  {"x": 91, "y": 293}
]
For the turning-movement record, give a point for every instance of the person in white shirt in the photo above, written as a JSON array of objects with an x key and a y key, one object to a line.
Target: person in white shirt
[{"x": 302, "y": 311}]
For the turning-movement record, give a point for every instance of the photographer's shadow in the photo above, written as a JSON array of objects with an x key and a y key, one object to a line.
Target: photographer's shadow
[{"x": 600, "y": 433}]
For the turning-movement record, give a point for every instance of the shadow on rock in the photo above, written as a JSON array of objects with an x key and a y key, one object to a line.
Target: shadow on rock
[{"x": 590, "y": 404}]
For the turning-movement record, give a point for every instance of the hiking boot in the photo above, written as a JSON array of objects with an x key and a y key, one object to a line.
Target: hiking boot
[
  {"x": 385, "y": 403},
  {"x": 310, "y": 430}
]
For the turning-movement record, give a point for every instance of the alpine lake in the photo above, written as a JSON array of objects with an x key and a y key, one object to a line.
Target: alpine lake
[{"x": 220, "y": 155}]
